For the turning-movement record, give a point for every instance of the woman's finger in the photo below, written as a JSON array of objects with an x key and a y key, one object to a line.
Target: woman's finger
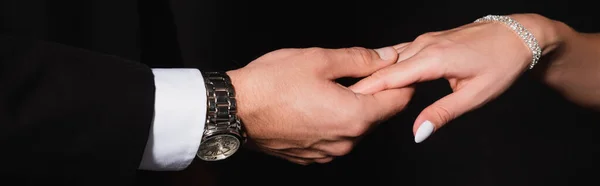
[
  {"x": 415, "y": 69},
  {"x": 411, "y": 49},
  {"x": 449, "y": 107}
]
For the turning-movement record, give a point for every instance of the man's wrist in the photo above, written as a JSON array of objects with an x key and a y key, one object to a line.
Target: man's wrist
[{"x": 237, "y": 82}]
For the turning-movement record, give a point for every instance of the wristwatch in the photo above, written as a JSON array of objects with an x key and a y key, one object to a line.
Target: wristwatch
[{"x": 223, "y": 132}]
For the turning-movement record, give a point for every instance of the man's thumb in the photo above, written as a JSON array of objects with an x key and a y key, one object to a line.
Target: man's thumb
[{"x": 359, "y": 62}]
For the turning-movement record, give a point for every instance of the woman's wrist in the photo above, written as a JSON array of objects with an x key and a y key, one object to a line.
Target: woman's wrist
[
  {"x": 546, "y": 31},
  {"x": 557, "y": 40}
]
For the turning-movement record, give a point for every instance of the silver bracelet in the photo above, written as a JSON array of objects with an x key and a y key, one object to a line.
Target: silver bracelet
[{"x": 525, "y": 35}]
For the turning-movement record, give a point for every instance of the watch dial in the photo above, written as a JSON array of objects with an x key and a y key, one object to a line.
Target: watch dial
[{"x": 218, "y": 147}]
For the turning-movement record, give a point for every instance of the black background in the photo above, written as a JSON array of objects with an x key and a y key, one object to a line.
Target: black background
[{"x": 528, "y": 136}]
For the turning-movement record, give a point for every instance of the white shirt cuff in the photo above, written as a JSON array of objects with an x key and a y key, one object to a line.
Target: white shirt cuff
[{"x": 179, "y": 117}]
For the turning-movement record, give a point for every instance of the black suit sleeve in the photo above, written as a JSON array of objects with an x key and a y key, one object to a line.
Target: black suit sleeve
[{"x": 70, "y": 116}]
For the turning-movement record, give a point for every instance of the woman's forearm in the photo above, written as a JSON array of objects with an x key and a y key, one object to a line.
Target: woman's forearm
[{"x": 573, "y": 66}]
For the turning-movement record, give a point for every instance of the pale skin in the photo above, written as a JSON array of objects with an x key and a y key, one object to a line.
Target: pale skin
[
  {"x": 481, "y": 60},
  {"x": 292, "y": 108}
]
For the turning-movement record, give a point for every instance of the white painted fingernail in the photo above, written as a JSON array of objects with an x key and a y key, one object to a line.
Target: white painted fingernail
[{"x": 424, "y": 131}]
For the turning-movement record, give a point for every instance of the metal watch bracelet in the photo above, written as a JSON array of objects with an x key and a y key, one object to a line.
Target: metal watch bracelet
[
  {"x": 221, "y": 104},
  {"x": 223, "y": 132}
]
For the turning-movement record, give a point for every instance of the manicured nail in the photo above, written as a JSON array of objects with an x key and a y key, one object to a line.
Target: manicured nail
[
  {"x": 386, "y": 53},
  {"x": 424, "y": 131}
]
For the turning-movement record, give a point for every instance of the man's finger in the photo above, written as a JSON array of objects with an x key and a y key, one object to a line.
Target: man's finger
[
  {"x": 357, "y": 61},
  {"x": 385, "y": 104},
  {"x": 448, "y": 108},
  {"x": 416, "y": 69},
  {"x": 335, "y": 148},
  {"x": 296, "y": 160},
  {"x": 304, "y": 153},
  {"x": 324, "y": 160},
  {"x": 400, "y": 47}
]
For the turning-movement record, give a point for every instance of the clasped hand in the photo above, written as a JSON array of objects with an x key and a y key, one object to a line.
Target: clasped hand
[{"x": 293, "y": 109}]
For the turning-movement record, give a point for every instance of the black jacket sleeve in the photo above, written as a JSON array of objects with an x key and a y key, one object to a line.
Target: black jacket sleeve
[{"x": 70, "y": 116}]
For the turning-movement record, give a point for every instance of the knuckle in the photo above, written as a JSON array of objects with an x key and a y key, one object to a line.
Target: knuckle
[
  {"x": 356, "y": 129},
  {"x": 436, "y": 49},
  {"x": 426, "y": 37},
  {"x": 301, "y": 162},
  {"x": 306, "y": 145},
  {"x": 362, "y": 56},
  {"x": 442, "y": 113},
  {"x": 304, "y": 153},
  {"x": 324, "y": 160},
  {"x": 316, "y": 58},
  {"x": 342, "y": 149},
  {"x": 381, "y": 75},
  {"x": 316, "y": 51},
  {"x": 435, "y": 53}
]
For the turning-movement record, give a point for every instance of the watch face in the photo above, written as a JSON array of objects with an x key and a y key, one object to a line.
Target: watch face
[{"x": 218, "y": 147}]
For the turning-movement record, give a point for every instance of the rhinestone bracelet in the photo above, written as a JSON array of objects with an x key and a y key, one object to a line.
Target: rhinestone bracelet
[{"x": 523, "y": 33}]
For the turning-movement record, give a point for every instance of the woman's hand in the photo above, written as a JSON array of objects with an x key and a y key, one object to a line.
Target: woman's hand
[{"x": 479, "y": 60}]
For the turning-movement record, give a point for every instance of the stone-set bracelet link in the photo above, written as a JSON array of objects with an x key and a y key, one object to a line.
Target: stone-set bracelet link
[{"x": 523, "y": 33}]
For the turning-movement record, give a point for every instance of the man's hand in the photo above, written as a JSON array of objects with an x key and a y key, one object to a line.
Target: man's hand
[{"x": 292, "y": 108}]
